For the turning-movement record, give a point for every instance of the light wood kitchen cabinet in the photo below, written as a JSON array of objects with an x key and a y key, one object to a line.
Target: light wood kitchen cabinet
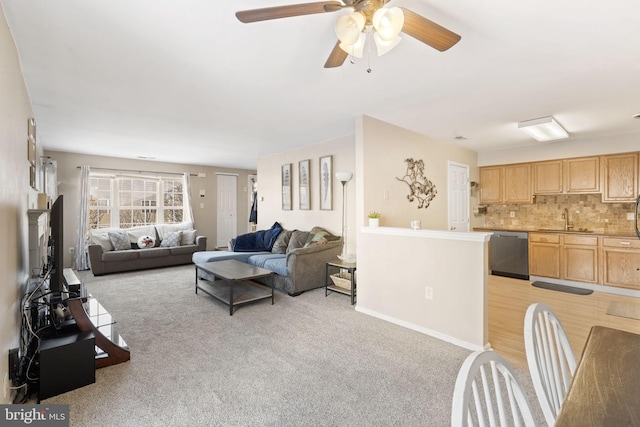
[
  {"x": 621, "y": 262},
  {"x": 491, "y": 184},
  {"x": 579, "y": 175},
  {"x": 544, "y": 255},
  {"x": 620, "y": 177},
  {"x": 517, "y": 183},
  {"x": 582, "y": 175},
  {"x": 579, "y": 258},
  {"x": 506, "y": 184},
  {"x": 547, "y": 177}
]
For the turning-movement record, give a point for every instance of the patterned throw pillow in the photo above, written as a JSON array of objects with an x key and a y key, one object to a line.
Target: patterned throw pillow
[
  {"x": 120, "y": 240},
  {"x": 171, "y": 239}
]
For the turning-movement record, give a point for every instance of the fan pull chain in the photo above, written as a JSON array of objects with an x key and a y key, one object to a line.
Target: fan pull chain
[{"x": 369, "y": 43}]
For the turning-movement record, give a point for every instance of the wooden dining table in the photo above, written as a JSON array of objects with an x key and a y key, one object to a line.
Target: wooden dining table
[{"x": 605, "y": 390}]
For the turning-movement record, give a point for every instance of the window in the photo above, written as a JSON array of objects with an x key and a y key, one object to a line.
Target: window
[{"x": 127, "y": 201}]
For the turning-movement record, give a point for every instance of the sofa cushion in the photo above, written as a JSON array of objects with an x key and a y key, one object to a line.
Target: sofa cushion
[
  {"x": 281, "y": 243},
  {"x": 274, "y": 262},
  {"x": 319, "y": 236},
  {"x": 120, "y": 255},
  {"x": 154, "y": 253},
  {"x": 188, "y": 237},
  {"x": 211, "y": 256},
  {"x": 163, "y": 229},
  {"x": 171, "y": 239},
  {"x": 120, "y": 240},
  {"x": 298, "y": 240},
  {"x": 183, "y": 250},
  {"x": 100, "y": 236}
]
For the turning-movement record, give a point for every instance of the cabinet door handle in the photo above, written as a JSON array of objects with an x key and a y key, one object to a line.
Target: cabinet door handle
[
  {"x": 543, "y": 240},
  {"x": 625, "y": 243}
]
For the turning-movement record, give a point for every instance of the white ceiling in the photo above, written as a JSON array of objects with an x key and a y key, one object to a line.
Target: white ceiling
[{"x": 185, "y": 81}]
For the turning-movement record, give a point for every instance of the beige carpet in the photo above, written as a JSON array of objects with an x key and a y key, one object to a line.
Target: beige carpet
[
  {"x": 305, "y": 361},
  {"x": 624, "y": 309}
]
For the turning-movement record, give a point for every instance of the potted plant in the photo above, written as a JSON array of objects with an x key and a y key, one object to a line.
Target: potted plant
[{"x": 374, "y": 219}]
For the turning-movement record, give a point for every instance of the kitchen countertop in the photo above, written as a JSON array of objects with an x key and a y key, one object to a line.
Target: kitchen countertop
[{"x": 629, "y": 235}]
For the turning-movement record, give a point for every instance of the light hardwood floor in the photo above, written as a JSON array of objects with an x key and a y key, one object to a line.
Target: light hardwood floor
[{"x": 508, "y": 302}]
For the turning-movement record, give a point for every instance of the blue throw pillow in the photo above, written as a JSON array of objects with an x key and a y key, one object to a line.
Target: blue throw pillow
[{"x": 258, "y": 241}]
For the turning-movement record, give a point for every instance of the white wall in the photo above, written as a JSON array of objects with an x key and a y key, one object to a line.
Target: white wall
[
  {"x": 270, "y": 194},
  {"x": 204, "y": 218},
  {"x": 563, "y": 149},
  {"x": 394, "y": 268},
  {"x": 396, "y": 265},
  {"x": 16, "y": 196},
  {"x": 381, "y": 150}
]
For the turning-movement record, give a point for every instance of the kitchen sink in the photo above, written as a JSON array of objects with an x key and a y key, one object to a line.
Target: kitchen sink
[{"x": 573, "y": 230}]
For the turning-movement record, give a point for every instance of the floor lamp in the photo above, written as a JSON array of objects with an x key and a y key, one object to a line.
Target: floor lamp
[{"x": 344, "y": 177}]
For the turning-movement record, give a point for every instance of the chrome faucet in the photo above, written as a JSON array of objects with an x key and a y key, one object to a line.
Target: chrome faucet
[{"x": 565, "y": 216}]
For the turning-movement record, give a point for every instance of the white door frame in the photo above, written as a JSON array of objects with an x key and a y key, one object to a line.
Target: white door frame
[
  {"x": 226, "y": 208},
  {"x": 458, "y": 199}
]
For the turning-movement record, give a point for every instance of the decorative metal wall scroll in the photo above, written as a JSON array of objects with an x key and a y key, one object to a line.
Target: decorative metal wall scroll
[{"x": 420, "y": 187}]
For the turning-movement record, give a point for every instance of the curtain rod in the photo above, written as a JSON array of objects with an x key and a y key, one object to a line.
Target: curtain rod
[{"x": 134, "y": 171}]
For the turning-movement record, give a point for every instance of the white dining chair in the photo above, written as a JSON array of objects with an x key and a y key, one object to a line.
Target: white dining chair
[
  {"x": 550, "y": 357},
  {"x": 487, "y": 393}
]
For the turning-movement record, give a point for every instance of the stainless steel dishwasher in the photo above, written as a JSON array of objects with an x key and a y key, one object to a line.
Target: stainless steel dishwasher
[{"x": 509, "y": 254}]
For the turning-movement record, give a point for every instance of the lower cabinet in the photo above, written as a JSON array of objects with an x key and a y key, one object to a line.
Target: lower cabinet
[
  {"x": 544, "y": 255},
  {"x": 621, "y": 262},
  {"x": 580, "y": 258},
  {"x": 568, "y": 257}
]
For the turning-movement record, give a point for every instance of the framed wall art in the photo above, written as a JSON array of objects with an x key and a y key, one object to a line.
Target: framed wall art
[
  {"x": 286, "y": 187},
  {"x": 326, "y": 183},
  {"x": 32, "y": 153},
  {"x": 303, "y": 185}
]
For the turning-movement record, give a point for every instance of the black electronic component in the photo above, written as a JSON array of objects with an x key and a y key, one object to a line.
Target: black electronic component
[{"x": 14, "y": 364}]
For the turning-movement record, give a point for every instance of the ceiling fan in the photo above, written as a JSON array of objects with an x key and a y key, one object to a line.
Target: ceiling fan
[{"x": 370, "y": 18}]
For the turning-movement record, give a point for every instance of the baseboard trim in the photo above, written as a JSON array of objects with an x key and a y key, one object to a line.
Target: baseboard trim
[{"x": 423, "y": 330}]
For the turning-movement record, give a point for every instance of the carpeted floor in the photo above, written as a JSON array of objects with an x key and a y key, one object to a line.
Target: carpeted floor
[{"x": 305, "y": 361}]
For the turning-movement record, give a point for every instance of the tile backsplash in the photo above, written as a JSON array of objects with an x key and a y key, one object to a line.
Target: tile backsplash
[{"x": 585, "y": 211}]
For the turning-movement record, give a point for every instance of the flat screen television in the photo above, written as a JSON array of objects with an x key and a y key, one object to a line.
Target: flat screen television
[{"x": 56, "y": 254}]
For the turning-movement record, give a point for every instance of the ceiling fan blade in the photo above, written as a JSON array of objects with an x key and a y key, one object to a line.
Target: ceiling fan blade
[
  {"x": 336, "y": 57},
  {"x": 428, "y": 32},
  {"x": 267, "y": 13}
]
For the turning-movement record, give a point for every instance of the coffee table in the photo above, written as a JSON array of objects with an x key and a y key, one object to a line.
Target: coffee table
[{"x": 233, "y": 284}]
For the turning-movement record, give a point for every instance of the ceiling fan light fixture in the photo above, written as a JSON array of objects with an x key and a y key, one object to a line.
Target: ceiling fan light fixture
[
  {"x": 356, "y": 49},
  {"x": 543, "y": 129},
  {"x": 348, "y": 27},
  {"x": 388, "y": 22},
  {"x": 384, "y": 46}
]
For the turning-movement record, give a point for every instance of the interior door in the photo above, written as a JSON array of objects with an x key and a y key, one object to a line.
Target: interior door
[
  {"x": 227, "y": 215},
  {"x": 458, "y": 195}
]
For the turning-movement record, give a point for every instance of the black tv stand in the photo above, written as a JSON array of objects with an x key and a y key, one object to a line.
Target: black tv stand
[
  {"x": 91, "y": 316},
  {"x": 75, "y": 343}
]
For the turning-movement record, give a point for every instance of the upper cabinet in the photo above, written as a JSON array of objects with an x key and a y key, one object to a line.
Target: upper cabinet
[
  {"x": 614, "y": 176},
  {"x": 620, "y": 177},
  {"x": 491, "y": 184},
  {"x": 517, "y": 183},
  {"x": 579, "y": 175},
  {"x": 506, "y": 184},
  {"x": 582, "y": 175},
  {"x": 547, "y": 177}
]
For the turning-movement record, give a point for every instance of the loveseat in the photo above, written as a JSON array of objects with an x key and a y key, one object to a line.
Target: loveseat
[
  {"x": 114, "y": 250},
  {"x": 298, "y": 258}
]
